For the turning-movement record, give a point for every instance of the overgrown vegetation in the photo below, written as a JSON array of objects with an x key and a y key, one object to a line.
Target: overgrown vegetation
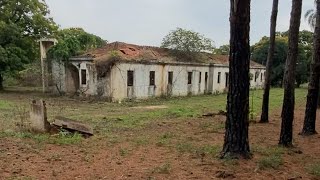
[
  {"x": 73, "y": 41},
  {"x": 22, "y": 23},
  {"x": 260, "y": 52},
  {"x": 186, "y": 44}
]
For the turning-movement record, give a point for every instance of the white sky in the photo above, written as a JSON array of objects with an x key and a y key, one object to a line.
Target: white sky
[{"x": 146, "y": 22}]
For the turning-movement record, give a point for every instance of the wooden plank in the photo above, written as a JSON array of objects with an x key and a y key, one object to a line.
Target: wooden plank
[{"x": 73, "y": 125}]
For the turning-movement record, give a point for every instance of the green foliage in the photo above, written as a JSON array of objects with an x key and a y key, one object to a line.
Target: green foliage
[
  {"x": 30, "y": 75},
  {"x": 73, "y": 41},
  {"x": 29, "y": 17},
  {"x": 222, "y": 50},
  {"x": 187, "y": 41},
  {"x": 310, "y": 16},
  {"x": 66, "y": 138},
  {"x": 260, "y": 54},
  {"x": 22, "y": 23}
]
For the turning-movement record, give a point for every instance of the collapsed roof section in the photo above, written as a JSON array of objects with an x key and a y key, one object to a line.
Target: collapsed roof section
[{"x": 144, "y": 54}]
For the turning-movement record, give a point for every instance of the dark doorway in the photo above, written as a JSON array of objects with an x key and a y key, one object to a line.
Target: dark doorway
[
  {"x": 72, "y": 79},
  {"x": 170, "y": 83},
  {"x": 206, "y": 82},
  {"x": 227, "y": 80},
  {"x": 130, "y": 84}
]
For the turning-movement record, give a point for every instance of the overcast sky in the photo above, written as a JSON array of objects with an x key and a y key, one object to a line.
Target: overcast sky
[{"x": 146, "y": 22}]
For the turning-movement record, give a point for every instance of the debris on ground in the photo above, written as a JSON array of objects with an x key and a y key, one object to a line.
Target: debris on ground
[
  {"x": 220, "y": 113},
  {"x": 72, "y": 125}
]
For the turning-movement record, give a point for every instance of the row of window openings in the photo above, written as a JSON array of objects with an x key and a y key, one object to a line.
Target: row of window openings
[
  {"x": 170, "y": 77},
  {"x": 256, "y": 76},
  {"x": 152, "y": 74}
]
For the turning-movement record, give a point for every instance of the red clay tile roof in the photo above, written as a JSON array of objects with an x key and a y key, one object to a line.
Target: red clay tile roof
[{"x": 147, "y": 53}]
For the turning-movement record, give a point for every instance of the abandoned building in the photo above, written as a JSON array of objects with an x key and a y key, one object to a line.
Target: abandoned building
[{"x": 119, "y": 71}]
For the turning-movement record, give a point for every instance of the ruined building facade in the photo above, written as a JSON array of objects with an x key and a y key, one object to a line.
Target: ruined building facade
[{"x": 121, "y": 71}]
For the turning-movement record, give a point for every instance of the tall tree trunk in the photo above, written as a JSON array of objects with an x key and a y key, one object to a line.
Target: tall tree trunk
[
  {"x": 309, "y": 125},
  {"x": 1, "y": 82},
  {"x": 236, "y": 142},
  {"x": 287, "y": 114},
  {"x": 273, "y": 24},
  {"x": 319, "y": 99}
]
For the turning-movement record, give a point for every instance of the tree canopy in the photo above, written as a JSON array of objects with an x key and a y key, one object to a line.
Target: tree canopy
[
  {"x": 74, "y": 41},
  {"x": 260, "y": 53},
  {"x": 222, "y": 50},
  {"x": 187, "y": 41},
  {"x": 22, "y": 22}
]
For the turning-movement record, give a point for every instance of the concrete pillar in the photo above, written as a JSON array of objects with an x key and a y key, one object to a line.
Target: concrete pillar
[
  {"x": 38, "y": 117},
  {"x": 211, "y": 79}
]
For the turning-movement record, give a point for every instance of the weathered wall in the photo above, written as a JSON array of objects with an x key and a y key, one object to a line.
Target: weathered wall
[
  {"x": 114, "y": 84},
  {"x": 219, "y": 87},
  {"x": 58, "y": 77},
  {"x": 141, "y": 87},
  {"x": 259, "y": 82},
  {"x": 68, "y": 78}
]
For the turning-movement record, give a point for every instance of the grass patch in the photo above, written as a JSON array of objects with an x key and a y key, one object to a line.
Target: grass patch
[
  {"x": 141, "y": 141},
  {"x": 123, "y": 151},
  {"x": 67, "y": 139},
  {"x": 314, "y": 169},
  {"x": 4, "y": 105},
  {"x": 164, "y": 139},
  {"x": 118, "y": 117},
  {"x": 163, "y": 169},
  {"x": 272, "y": 157},
  {"x": 185, "y": 147},
  {"x": 276, "y": 150},
  {"x": 211, "y": 150},
  {"x": 230, "y": 161},
  {"x": 272, "y": 161}
]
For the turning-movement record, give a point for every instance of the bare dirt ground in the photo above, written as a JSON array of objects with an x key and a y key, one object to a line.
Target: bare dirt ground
[{"x": 170, "y": 148}]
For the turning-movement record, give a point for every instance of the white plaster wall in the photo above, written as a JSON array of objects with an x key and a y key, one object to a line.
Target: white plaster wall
[
  {"x": 141, "y": 79},
  {"x": 259, "y": 83},
  {"x": 180, "y": 79},
  {"x": 115, "y": 84},
  {"x": 219, "y": 87}
]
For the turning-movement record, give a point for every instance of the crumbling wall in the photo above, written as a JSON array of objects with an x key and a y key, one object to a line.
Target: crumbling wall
[{"x": 58, "y": 77}]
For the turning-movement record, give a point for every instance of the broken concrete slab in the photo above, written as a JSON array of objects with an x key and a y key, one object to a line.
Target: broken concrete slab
[
  {"x": 38, "y": 117},
  {"x": 72, "y": 125}
]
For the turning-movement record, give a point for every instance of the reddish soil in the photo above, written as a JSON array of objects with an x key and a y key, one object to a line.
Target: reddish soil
[{"x": 100, "y": 158}]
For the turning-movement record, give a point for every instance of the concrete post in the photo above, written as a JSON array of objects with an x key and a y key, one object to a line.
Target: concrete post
[{"x": 38, "y": 116}]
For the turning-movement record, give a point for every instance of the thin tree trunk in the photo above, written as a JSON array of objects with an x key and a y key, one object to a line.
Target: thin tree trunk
[
  {"x": 287, "y": 114},
  {"x": 236, "y": 142},
  {"x": 265, "y": 103},
  {"x": 309, "y": 125},
  {"x": 1, "y": 82}
]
